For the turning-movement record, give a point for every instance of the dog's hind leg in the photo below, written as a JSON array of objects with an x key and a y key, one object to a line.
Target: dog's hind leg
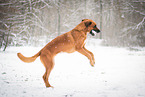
[{"x": 48, "y": 63}]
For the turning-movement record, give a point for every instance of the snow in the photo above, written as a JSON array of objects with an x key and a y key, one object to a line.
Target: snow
[{"x": 118, "y": 72}]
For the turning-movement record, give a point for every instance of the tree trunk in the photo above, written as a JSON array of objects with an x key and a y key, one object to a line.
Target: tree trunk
[
  {"x": 58, "y": 9},
  {"x": 101, "y": 18},
  {"x": 7, "y": 40}
]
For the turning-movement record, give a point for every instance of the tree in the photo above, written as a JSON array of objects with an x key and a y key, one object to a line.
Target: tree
[
  {"x": 124, "y": 18},
  {"x": 33, "y": 22},
  {"x": 101, "y": 7}
]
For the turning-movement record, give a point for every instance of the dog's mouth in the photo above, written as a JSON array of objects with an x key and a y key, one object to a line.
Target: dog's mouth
[{"x": 93, "y": 32}]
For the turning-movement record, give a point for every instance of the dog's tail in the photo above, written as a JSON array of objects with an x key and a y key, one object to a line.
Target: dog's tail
[{"x": 28, "y": 59}]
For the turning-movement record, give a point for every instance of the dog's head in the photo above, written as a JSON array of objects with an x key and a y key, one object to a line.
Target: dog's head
[{"x": 91, "y": 26}]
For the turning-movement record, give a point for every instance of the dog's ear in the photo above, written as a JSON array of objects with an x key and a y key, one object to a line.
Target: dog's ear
[
  {"x": 88, "y": 23},
  {"x": 84, "y": 19}
]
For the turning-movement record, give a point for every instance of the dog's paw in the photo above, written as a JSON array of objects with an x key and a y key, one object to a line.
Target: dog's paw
[
  {"x": 92, "y": 64},
  {"x": 50, "y": 87}
]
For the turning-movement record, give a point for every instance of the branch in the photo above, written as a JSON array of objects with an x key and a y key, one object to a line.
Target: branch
[
  {"x": 4, "y": 4},
  {"x": 46, "y": 3},
  {"x": 140, "y": 24}
]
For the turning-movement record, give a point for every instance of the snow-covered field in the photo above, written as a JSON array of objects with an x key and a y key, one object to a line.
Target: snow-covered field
[{"x": 118, "y": 72}]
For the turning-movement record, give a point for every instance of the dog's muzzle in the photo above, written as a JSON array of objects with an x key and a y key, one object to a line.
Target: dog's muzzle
[
  {"x": 98, "y": 31},
  {"x": 93, "y": 32}
]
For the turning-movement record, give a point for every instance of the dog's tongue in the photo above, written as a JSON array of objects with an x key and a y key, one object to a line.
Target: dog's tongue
[{"x": 93, "y": 33}]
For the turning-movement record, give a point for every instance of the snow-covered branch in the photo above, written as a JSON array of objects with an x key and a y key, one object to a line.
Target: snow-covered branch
[
  {"x": 139, "y": 25},
  {"x": 48, "y": 6}
]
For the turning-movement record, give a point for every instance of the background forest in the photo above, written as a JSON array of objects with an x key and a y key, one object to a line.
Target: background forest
[{"x": 36, "y": 22}]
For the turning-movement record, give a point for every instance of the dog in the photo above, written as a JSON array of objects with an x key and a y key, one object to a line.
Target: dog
[{"x": 68, "y": 42}]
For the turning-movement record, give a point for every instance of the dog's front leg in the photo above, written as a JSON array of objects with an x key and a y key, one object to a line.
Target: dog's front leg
[
  {"x": 87, "y": 54},
  {"x": 92, "y": 55}
]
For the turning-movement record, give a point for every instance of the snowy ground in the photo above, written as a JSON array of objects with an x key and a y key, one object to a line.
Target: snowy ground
[{"x": 118, "y": 72}]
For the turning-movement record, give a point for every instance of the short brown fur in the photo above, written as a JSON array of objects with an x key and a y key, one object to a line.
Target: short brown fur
[{"x": 68, "y": 42}]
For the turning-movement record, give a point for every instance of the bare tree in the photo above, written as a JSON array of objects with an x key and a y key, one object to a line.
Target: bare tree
[{"x": 33, "y": 22}]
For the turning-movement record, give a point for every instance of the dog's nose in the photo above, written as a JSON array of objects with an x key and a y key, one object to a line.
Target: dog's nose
[{"x": 98, "y": 31}]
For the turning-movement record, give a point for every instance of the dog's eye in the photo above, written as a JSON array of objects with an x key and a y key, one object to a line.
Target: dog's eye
[{"x": 95, "y": 26}]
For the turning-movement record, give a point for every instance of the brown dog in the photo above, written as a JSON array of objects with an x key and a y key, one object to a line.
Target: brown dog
[{"x": 68, "y": 42}]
